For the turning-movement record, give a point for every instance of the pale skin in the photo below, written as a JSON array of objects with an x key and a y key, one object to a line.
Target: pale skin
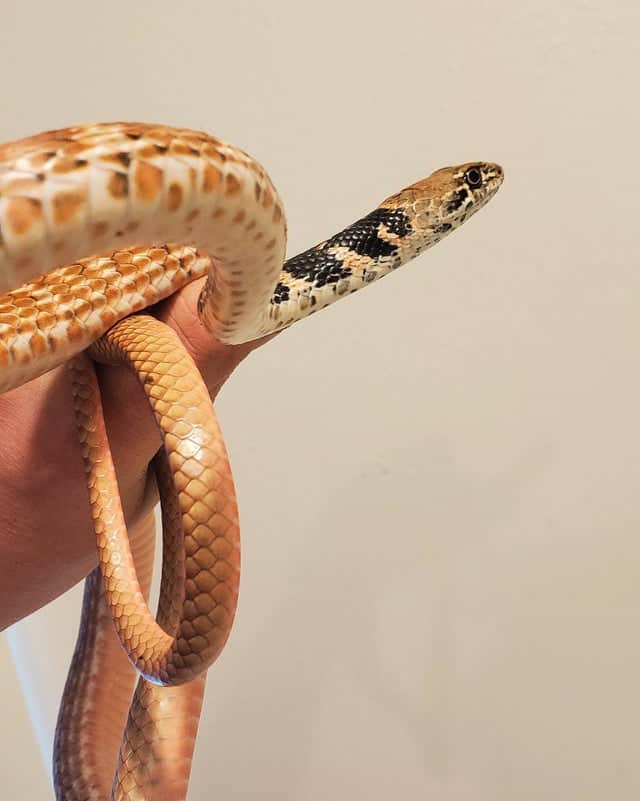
[{"x": 46, "y": 538}]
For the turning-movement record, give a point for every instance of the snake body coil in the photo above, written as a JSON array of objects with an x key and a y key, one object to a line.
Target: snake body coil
[{"x": 126, "y": 190}]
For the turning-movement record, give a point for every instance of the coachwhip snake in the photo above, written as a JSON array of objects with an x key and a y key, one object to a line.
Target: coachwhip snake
[{"x": 92, "y": 189}]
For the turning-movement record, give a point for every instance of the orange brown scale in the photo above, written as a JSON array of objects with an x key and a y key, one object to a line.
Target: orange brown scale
[
  {"x": 22, "y": 303},
  {"x": 38, "y": 343},
  {"x": 76, "y": 148},
  {"x": 46, "y": 320},
  {"x": 18, "y": 186},
  {"x": 174, "y": 196},
  {"x": 76, "y": 331},
  {"x": 118, "y": 187},
  {"x": 121, "y": 256},
  {"x": 22, "y": 213},
  {"x": 39, "y": 160},
  {"x": 27, "y": 326},
  {"x": 127, "y": 268},
  {"x": 148, "y": 180},
  {"x": 48, "y": 307},
  {"x": 67, "y": 164},
  {"x": 67, "y": 204},
  {"x": 232, "y": 184},
  {"x": 179, "y": 148},
  {"x": 121, "y": 159},
  {"x": 99, "y": 229}
]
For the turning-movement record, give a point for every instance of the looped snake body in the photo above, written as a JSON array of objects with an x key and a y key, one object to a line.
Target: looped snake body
[{"x": 126, "y": 190}]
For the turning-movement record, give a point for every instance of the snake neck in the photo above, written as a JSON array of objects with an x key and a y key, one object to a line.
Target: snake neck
[
  {"x": 360, "y": 254},
  {"x": 401, "y": 227}
]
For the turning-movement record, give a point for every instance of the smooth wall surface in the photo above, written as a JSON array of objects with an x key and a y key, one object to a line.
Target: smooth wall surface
[{"x": 438, "y": 477}]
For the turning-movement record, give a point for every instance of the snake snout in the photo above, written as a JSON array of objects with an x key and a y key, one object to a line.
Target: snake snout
[{"x": 494, "y": 174}]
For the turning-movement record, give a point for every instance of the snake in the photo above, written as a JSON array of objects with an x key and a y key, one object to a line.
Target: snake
[{"x": 99, "y": 223}]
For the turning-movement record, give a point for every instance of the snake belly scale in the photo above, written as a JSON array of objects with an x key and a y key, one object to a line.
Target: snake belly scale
[{"x": 100, "y": 222}]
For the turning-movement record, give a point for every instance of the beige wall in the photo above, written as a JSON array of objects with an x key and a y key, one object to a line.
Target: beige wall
[{"x": 439, "y": 477}]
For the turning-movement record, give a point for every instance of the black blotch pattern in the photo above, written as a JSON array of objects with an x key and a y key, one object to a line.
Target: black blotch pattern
[
  {"x": 319, "y": 267},
  {"x": 280, "y": 293},
  {"x": 458, "y": 199},
  {"x": 362, "y": 237}
]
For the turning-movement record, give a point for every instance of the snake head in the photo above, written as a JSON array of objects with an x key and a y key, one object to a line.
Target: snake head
[
  {"x": 458, "y": 192},
  {"x": 449, "y": 196},
  {"x": 467, "y": 188}
]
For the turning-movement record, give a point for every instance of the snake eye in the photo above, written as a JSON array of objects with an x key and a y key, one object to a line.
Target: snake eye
[{"x": 473, "y": 177}]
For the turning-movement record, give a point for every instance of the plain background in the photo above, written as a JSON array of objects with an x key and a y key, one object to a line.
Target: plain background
[{"x": 438, "y": 477}]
